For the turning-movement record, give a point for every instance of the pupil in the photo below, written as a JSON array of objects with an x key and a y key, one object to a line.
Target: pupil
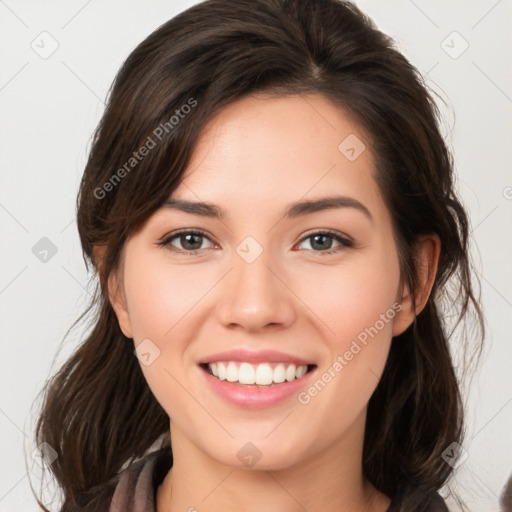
[
  {"x": 186, "y": 239},
  {"x": 322, "y": 245}
]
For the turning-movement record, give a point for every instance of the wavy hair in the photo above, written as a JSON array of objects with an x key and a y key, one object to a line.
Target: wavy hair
[{"x": 97, "y": 411}]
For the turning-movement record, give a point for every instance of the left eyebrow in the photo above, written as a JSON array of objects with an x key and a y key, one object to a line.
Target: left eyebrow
[
  {"x": 293, "y": 210},
  {"x": 325, "y": 203}
]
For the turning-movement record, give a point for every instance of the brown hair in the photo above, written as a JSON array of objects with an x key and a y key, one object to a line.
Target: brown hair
[{"x": 98, "y": 412}]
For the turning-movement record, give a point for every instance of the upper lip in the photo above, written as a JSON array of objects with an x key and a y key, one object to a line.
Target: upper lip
[{"x": 251, "y": 356}]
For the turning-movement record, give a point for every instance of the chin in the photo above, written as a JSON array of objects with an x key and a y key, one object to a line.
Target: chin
[{"x": 258, "y": 455}]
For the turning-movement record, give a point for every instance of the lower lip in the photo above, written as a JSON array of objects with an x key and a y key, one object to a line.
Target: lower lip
[{"x": 254, "y": 396}]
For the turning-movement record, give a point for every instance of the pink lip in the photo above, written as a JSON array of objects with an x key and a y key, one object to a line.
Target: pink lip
[
  {"x": 260, "y": 356},
  {"x": 255, "y": 397}
]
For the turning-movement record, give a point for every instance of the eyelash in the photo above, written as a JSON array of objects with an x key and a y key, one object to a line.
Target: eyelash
[{"x": 345, "y": 242}]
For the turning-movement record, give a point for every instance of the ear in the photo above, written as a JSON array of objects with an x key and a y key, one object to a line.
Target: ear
[
  {"x": 116, "y": 293},
  {"x": 427, "y": 259}
]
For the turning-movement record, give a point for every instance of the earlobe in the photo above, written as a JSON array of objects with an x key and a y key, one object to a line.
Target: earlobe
[
  {"x": 116, "y": 294},
  {"x": 406, "y": 315},
  {"x": 118, "y": 300},
  {"x": 427, "y": 259}
]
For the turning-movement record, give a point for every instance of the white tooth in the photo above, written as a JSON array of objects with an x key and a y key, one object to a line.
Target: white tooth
[
  {"x": 301, "y": 371},
  {"x": 264, "y": 375},
  {"x": 290, "y": 373},
  {"x": 232, "y": 372},
  {"x": 261, "y": 374},
  {"x": 279, "y": 374},
  {"x": 221, "y": 370},
  {"x": 246, "y": 374}
]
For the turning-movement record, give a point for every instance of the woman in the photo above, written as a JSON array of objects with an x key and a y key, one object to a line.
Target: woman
[{"x": 270, "y": 209}]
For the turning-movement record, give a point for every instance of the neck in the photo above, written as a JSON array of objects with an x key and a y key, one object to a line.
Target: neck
[{"x": 329, "y": 481}]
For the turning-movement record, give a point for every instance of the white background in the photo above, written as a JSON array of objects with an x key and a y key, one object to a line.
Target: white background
[{"x": 49, "y": 108}]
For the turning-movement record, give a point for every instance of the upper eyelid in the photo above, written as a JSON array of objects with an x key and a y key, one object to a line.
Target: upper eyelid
[
  {"x": 198, "y": 231},
  {"x": 326, "y": 231},
  {"x": 165, "y": 240}
]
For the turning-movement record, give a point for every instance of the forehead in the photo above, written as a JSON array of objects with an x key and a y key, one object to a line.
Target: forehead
[{"x": 262, "y": 152}]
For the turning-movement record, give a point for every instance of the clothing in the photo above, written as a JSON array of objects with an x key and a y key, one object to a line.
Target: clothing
[
  {"x": 134, "y": 489},
  {"x": 137, "y": 486}
]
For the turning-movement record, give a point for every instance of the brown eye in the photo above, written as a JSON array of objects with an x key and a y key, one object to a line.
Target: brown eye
[
  {"x": 322, "y": 242},
  {"x": 185, "y": 241}
]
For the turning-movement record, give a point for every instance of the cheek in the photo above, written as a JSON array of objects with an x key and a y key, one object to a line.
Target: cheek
[
  {"x": 357, "y": 306},
  {"x": 162, "y": 300},
  {"x": 351, "y": 298},
  {"x": 160, "y": 296}
]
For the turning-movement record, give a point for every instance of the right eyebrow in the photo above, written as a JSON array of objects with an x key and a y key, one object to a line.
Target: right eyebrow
[{"x": 194, "y": 207}]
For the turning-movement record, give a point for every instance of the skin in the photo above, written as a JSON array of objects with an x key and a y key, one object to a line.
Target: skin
[{"x": 253, "y": 159}]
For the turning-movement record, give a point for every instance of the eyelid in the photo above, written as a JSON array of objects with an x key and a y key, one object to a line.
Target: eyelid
[
  {"x": 345, "y": 241},
  {"x": 327, "y": 231},
  {"x": 172, "y": 234},
  {"x": 166, "y": 239}
]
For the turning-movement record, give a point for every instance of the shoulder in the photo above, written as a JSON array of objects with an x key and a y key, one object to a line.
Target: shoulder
[
  {"x": 132, "y": 490},
  {"x": 436, "y": 503},
  {"x": 136, "y": 486},
  {"x": 418, "y": 500}
]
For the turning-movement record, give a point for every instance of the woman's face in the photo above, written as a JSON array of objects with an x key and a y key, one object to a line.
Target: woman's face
[{"x": 267, "y": 288}]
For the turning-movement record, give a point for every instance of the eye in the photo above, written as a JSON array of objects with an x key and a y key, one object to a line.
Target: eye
[
  {"x": 323, "y": 240},
  {"x": 190, "y": 240}
]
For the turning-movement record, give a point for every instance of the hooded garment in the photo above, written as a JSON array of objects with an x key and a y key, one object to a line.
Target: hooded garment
[{"x": 134, "y": 490}]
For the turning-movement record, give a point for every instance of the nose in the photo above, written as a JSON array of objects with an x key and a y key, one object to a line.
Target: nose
[{"x": 255, "y": 295}]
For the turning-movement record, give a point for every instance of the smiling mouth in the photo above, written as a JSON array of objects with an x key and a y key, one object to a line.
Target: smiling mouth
[{"x": 256, "y": 375}]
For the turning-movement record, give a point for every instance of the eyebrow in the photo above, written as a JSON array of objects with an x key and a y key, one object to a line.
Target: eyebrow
[{"x": 293, "y": 210}]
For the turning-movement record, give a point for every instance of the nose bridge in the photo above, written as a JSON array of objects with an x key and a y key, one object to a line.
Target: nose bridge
[{"x": 253, "y": 295}]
